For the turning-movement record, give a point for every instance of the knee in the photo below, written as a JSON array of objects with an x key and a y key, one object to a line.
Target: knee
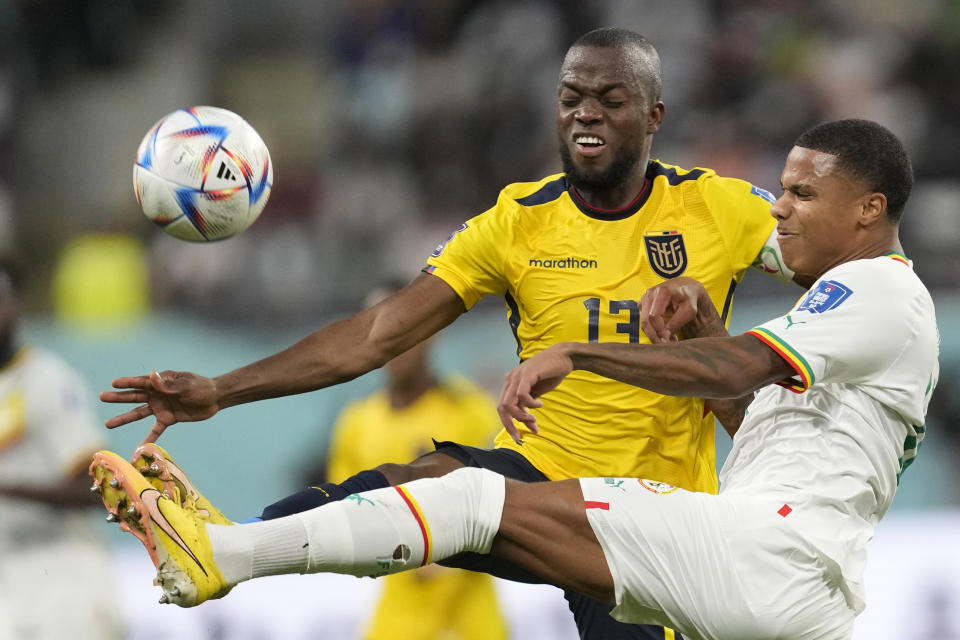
[{"x": 431, "y": 465}]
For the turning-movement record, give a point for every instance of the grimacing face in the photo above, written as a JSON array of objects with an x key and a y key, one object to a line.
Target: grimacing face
[
  {"x": 818, "y": 215},
  {"x": 603, "y": 115}
]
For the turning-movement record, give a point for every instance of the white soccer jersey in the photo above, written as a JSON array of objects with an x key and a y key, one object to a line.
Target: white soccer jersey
[
  {"x": 828, "y": 446},
  {"x": 55, "y": 573}
]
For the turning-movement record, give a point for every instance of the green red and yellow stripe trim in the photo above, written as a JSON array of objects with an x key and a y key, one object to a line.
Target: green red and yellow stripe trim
[
  {"x": 794, "y": 359},
  {"x": 421, "y": 521},
  {"x": 899, "y": 257}
]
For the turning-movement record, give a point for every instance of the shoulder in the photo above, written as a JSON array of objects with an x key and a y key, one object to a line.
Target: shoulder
[
  {"x": 706, "y": 182},
  {"x": 364, "y": 405},
  {"x": 674, "y": 175},
  {"x": 890, "y": 273},
  {"x": 48, "y": 365},
  {"x": 528, "y": 194},
  {"x": 886, "y": 282}
]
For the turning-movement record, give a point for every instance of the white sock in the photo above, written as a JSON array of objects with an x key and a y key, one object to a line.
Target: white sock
[
  {"x": 270, "y": 547},
  {"x": 369, "y": 534}
]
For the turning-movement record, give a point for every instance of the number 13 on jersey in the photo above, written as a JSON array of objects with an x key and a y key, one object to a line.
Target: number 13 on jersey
[{"x": 625, "y": 313}]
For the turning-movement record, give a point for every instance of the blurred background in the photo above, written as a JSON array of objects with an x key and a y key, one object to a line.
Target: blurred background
[{"x": 389, "y": 123}]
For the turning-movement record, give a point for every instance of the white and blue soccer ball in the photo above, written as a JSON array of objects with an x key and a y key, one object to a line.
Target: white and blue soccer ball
[{"x": 202, "y": 174}]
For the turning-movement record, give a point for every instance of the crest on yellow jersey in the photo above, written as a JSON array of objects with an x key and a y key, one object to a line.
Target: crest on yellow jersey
[{"x": 666, "y": 253}]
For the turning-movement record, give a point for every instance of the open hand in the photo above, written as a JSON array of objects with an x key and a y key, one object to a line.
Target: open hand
[{"x": 170, "y": 397}]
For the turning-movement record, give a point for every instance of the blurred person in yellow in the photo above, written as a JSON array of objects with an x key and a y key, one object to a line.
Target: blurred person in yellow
[
  {"x": 101, "y": 282},
  {"x": 396, "y": 424},
  {"x": 56, "y": 577}
]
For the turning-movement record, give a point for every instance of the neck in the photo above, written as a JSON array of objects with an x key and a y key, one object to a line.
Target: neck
[
  {"x": 404, "y": 392},
  {"x": 620, "y": 196},
  {"x": 880, "y": 247}
]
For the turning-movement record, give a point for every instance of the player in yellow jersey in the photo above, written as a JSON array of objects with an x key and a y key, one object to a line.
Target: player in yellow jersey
[
  {"x": 397, "y": 424},
  {"x": 572, "y": 254}
]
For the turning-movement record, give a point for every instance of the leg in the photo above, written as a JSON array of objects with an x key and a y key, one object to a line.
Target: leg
[
  {"x": 378, "y": 532},
  {"x": 429, "y": 465},
  {"x": 544, "y": 529},
  {"x": 591, "y": 616}
]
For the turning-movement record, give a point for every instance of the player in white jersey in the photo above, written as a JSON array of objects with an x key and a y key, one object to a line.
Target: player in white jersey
[
  {"x": 844, "y": 381},
  {"x": 55, "y": 570}
]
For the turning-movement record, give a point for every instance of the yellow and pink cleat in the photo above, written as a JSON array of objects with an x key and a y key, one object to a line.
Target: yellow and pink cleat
[
  {"x": 174, "y": 535},
  {"x": 162, "y": 472}
]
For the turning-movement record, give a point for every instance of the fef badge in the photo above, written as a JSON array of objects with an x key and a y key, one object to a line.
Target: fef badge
[{"x": 666, "y": 253}]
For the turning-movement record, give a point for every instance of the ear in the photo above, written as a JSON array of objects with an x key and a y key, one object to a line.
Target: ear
[
  {"x": 655, "y": 116},
  {"x": 873, "y": 208}
]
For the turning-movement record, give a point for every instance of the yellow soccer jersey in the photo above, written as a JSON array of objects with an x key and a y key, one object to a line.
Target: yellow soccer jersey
[
  {"x": 571, "y": 273},
  {"x": 369, "y": 432}
]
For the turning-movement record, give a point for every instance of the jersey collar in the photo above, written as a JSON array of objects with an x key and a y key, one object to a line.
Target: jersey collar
[
  {"x": 899, "y": 257},
  {"x": 614, "y": 214}
]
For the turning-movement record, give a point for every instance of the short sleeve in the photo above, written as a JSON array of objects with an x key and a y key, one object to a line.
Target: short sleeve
[
  {"x": 844, "y": 330},
  {"x": 471, "y": 260},
  {"x": 742, "y": 212}
]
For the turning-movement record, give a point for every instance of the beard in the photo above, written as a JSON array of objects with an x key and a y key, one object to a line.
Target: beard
[{"x": 609, "y": 179}]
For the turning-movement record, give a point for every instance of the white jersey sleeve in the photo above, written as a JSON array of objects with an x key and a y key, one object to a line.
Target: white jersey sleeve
[{"x": 868, "y": 323}]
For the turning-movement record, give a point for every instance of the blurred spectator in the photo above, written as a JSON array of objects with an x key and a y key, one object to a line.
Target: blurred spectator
[
  {"x": 101, "y": 282},
  {"x": 56, "y": 577}
]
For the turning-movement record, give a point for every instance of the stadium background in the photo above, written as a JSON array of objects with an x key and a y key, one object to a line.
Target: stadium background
[{"x": 389, "y": 123}]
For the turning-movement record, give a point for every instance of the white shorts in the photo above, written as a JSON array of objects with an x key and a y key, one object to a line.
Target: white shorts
[{"x": 714, "y": 567}]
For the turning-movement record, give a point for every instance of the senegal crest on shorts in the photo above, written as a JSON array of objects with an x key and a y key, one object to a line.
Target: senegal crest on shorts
[
  {"x": 666, "y": 253},
  {"x": 657, "y": 487}
]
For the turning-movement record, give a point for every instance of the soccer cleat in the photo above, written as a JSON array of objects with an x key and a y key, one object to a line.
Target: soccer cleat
[
  {"x": 174, "y": 536},
  {"x": 165, "y": 476}
]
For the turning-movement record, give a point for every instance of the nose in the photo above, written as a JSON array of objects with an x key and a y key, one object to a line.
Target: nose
[
  {"x": 588, "y": 111},
  {"x": 780, "y": 209}
]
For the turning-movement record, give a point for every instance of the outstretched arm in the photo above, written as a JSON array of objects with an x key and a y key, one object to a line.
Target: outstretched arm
[
  {"x": 336, "y": 353},
  {"x": 729, "y": 367}
]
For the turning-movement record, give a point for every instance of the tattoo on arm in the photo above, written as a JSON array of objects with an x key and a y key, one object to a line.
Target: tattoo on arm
[{"x": 711, "y": 367}]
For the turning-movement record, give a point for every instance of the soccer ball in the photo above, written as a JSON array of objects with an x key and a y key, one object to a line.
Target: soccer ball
[{"x": 202, "y": 174}]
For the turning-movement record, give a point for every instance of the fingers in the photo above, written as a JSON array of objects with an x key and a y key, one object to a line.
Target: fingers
[
  {"x": 667, "y": 308},
  {"x": 681, "y": 316},
  {"x": 136, "y": 382},
  {"x": 155, "y": 433},
  {"x": 515, "y": 397},
  {"x": 123, "y": 396},
  {"x": 133, "y": 415},
  {"x": 653, "y": 308}
]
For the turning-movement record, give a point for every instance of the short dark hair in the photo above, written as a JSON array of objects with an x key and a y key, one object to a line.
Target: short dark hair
[
  {"x": 869, "y": 152},
  {"x": 622, "y": 38}
]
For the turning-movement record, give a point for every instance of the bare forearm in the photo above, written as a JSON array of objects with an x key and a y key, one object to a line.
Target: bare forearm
[
  {"x": 721, "y": 367},
  {"x": 73, "y": 493},
  {"x": 332, "y": 355},
  {"x": 345, "y": 349}
]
